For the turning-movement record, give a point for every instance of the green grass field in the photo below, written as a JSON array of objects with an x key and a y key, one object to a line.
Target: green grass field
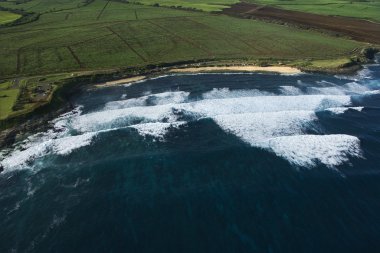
[
  {"x": 208, "y": 5},
  {"x": 364, "y": 9},
  {"x": 6, "y": 17},
  {"x": 76, "y": 35},
  {"x": 105, "y": 35},
  {"x": 7, "y": 99}
]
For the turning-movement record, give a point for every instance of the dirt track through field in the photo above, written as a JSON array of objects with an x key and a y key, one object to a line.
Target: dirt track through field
[
  {"x": 127, "y": 44},
  {"x": 18, "y": 63},
  {"x": 231, "y": 36},
  {"x": 76, "y": 58},
  {"x": 101, "y": 12},
  {"x": 192, "y": 43},
  {"x": 361, "y": 30},
  {"x": 137, "y": 18}
]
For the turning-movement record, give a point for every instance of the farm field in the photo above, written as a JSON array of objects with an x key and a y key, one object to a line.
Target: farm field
[
  {"x": 6, "y": 17},
  {"x": 114, "y": 35},
  {"x": 359, "y": 9}
]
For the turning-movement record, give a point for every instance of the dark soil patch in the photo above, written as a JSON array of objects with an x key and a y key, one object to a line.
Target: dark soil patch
[{"x": 361, "y": 30}]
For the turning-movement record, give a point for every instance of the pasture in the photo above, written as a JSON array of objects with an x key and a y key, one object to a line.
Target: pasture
[{"x": 106, "y": 35}]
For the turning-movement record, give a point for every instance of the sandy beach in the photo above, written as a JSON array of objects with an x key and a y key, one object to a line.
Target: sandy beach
[
  {"x": 247, "y": 68},
  {"x": 121, "y": 81}
]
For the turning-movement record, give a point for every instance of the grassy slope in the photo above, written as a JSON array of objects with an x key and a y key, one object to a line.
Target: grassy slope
[
  {"x": 72, "y": 36},
  {"x": 6, "y": 17},
  {"x": 369, "y": 9}
]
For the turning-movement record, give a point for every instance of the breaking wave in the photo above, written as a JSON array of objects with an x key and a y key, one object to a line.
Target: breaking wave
[
  {"x": 278, "y": 121},
  {"x": 309, "y": 150}
]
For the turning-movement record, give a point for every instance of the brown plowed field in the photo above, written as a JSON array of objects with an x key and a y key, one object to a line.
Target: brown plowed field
[{"x": 357, "y": 29}]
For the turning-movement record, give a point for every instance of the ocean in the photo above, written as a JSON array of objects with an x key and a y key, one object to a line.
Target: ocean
[{"x": 227, "y": 162}]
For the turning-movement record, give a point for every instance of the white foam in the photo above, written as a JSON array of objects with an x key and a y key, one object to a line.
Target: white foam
[
  {"x": 66, "y": 145},
  {"x": 266, "y": 104},
  {"x": 122, "y": 117},
  {"x": 45, "y": 146},
  {"x": 257, "y": 117},
  {"x": 372, "y": 92},
  {"x": 309, "y": 150},
  {"x": 153, "y": 99},
  {"x": 377, "y": 59},
  {"x": 257, "y": 128},
  {"x": 332, "y": 89},
  {"x": 76, "y": 111},
  {"x": 365, "y": 73},
  {"x": 341, "y": 110},
  {"x": 20, "y": 158},
  {"x": 156, "y": 129},
  {"x": 60, "y": 123},
  {"x": 218, "y": 93},
  {"x": 290, "y": 90},
  {"x": 355, "y": 87},
  {"x": 134, "y": 82},
  {"x": 301, "y": 83},
  {"x": 169, "y": 97},
  {"x": 204, "y": 108},
  {"x": 125, "y": 103}
]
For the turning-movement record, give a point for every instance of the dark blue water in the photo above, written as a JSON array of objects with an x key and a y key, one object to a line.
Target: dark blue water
[{"x": 202, "y": 163}]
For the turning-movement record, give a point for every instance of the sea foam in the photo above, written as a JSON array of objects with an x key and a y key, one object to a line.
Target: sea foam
[
  {"x": 154, "y": 99},
  {"x": 204, "y": 108},
  {"x": 156, "y": 129},
  {"x": 290, "y": 90},
  {"x": 309, "y": 150},
  {"x": 257, "y": 128},
  {"x": 259, "y": 118},
  {"x": 341, "y": 110},
  {"x": 218, "y": 93},
  {"x": 46, "y": 146}
]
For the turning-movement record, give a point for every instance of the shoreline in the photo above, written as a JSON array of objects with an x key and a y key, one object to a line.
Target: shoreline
[
  {"x": 128, "y": 80},
  {"x": 286, "y": 70},
  {"x": 243, "y": 68},
  {"x": 30, "y": 122}
]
